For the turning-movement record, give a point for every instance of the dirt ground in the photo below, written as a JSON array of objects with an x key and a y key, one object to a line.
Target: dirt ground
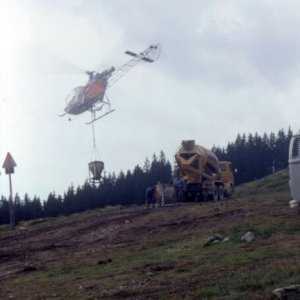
[
  {"x": 29, "y": 246},
  {"x": 139, "y": 253}
]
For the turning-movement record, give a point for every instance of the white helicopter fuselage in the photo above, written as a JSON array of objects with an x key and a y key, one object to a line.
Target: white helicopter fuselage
[
  {"x": 77, "y": 102},
  {"x": 83, "y": 98},
  {"x": 91, "y": 96}
]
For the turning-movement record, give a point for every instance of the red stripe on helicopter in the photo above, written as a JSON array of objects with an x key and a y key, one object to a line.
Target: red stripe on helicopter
[{"x": 95, "y": 89}]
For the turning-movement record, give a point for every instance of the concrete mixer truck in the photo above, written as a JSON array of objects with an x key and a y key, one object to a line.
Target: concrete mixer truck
[{"x": 204, "y": 176}]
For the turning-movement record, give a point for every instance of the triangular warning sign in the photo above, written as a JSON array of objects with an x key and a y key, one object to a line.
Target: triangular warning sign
[{"x": 9, "y": 164}]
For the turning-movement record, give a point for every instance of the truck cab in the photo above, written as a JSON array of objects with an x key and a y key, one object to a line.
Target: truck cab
[{"x": 226, "y": 175}]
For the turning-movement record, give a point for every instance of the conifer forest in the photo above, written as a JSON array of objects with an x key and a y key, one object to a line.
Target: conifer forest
[{"x": 253, "y": 156}]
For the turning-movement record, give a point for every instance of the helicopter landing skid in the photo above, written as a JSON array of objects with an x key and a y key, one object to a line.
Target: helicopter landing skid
[
  {"x": 100, "y": 117},
  {"x": 62, "y": 115}
]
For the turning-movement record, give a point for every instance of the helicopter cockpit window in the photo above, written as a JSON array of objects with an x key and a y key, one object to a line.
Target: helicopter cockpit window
[
  {"x": 74, "y": 96},
  {"x": 70, "y": 97}
]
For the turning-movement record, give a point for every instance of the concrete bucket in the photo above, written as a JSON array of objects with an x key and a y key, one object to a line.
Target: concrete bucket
[{"x": 95, "y": 169}]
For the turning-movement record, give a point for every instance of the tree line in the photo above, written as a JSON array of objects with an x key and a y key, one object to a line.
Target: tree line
[
  {"x": 252, "y": 156},
  {"x": 255, "y": 156},
  {"x": 123, "y": 189}
]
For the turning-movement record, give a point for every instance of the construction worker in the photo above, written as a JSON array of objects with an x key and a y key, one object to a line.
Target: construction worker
[
  {"x": 178, "y": 184},
  {"x": 149, "y": 196},
  {"x": 159, "y": 195}
]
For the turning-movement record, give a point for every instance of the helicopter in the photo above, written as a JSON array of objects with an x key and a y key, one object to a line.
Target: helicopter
[{"x": 92, "y": 97}]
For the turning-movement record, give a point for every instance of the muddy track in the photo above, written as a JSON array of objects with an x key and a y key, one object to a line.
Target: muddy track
[{"x": 37, "y": 246}]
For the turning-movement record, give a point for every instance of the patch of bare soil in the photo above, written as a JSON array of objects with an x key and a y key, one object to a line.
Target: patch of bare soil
[{"x": 39, "y": 246}]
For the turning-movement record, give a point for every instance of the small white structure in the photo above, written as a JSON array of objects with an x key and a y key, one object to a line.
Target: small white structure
[{"x": 294, "y": 170}]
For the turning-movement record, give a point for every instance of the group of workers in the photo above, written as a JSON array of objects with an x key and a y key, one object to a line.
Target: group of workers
[{"x": 153, "y": 193}]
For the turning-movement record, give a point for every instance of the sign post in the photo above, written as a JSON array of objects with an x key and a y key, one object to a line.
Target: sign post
[{"x": 9, "y": 165}]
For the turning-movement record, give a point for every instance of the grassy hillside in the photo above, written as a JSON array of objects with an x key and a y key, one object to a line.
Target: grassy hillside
[
  {"x": 135, "y": 253},
  {"x": 278, "y": 182}
]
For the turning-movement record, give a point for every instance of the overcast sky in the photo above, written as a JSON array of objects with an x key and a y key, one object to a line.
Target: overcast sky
[{"x": 226, "y": 67}]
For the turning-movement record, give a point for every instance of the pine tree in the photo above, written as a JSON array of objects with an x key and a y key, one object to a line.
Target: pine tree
[
  {"x": 4, "y": 210},
  {"x": 36, "y": 208},
  {"x": 53, "y": 206},
  {"x": 26, "y": 214}
]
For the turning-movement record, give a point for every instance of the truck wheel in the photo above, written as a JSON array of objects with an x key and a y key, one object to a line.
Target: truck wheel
[
  {"x": 220, "y": 193},
  {"x": 214, "y": 195},
  {"x": 230, "y": 191}
]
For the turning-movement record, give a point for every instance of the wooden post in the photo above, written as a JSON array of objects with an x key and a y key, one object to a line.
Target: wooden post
[
  {"x": 11, "y": 205},
  {"x": 9, "y": 165}
]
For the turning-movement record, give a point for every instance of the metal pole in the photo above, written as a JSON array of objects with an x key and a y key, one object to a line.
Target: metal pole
[{"x": 11, "y": 205}]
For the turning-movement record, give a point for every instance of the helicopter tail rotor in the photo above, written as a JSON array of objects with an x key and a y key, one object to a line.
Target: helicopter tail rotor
[
  {"x": 136, "y": 55},
  {"x": 151, "y": 54}
]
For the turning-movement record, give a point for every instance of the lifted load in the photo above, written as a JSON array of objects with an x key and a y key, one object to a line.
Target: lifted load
[{"x": 205, "y": 177}]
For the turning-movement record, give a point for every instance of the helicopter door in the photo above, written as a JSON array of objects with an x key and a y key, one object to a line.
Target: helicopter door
[{"x": 95, "y": 90}]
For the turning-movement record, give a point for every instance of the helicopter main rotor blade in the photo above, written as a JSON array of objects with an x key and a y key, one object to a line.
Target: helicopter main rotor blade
[{"x": 39, "y": 59}]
